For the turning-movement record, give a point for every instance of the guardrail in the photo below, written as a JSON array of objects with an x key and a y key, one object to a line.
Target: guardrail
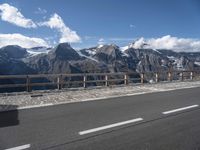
[{"x": 60, "y": 81}]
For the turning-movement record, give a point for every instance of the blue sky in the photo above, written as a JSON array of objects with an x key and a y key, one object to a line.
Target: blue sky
[{"x": 107, "y": 21}]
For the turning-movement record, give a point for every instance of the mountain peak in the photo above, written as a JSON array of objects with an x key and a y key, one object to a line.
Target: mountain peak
[
  {"x": 66, "y": 52},
  {"x": 12, "y": 47},
  {"x": 64, "y": 45},
  {"x": 14, "y": 51}
]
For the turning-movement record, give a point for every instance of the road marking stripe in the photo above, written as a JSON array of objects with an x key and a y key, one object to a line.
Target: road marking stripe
[
  {"x": 20, "y": 147},
  {"x": 179, "y": 109},
  {"x": 110, "y": 126}
]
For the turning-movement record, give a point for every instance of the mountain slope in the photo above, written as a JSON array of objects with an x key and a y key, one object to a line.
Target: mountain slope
[{"x": 104, "y": 58}]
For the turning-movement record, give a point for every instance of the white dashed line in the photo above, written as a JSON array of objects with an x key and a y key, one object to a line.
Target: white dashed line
[
  {"x": 179, "y": 109},
  {"x": 20, "y": 147},
  {"x": 109, "y": 126}
]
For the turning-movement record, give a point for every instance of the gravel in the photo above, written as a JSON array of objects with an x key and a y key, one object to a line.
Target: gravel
[{"x": 25, "y": 100}]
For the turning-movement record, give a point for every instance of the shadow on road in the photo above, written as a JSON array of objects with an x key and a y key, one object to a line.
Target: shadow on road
[{"x": 8, "y": 118}]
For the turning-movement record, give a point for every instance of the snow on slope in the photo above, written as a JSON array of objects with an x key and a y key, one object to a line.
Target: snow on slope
[
  {"x": 197, "y": 63},
  {"x": 38, "y": 50},
  {"x": 88, "y": 57}
]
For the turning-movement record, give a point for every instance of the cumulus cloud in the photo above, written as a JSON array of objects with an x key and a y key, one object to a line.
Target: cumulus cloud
[
  {"x": 12, "y": 15},
  {"x": 67, "y": 35},
  {"x": 101, "y": 41},
  {"x": 21, "y": 40},
  {"x": 140, "y": 43},
  {"x": 169, "y": 42}
]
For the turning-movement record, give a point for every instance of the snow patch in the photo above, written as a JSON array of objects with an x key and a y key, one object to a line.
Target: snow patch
[
  {"x": 100, "y": 46},
  {"x": 91, "y": 51},
  {"x": 124, "y": 48},
  {"x": 156, "y": 51},
  {"x": 37, "y": 52},
  {"x": 88, "y": 57},
  {"x": 197, "y": 63},
  {"x": 171, "y": 57}
]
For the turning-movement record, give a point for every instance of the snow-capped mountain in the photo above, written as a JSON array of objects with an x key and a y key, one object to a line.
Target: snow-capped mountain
[{"x": 102, "y": 58}]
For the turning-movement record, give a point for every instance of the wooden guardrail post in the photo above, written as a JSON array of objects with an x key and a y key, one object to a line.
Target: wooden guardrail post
[
  {"x": 59, "y": 82},
  {"x": 125, "y": 79},
  {"x": 28, "y": 88},
  {"x": 181, "y": 76},
  {"x": 142, "y": 77},
  {"x": 191, "y": 75},
  {"x": 169, "y": 76},
  {"x": 156, "y": 77},
  {"x": 106, "y": 80},
  {"x": 84, "y": 81}
]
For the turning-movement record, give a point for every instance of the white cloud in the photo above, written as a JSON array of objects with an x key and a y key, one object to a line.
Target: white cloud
[
  {"x": 132, "y": 26},
  {"x": 90, "y": 37},
  {"x": 101, "y": 41},
  {"x": 169, "y": 42},
  {"x": 21, "y": 40},
  {"x": 120, "y": 39},
  {"x": 67, "y": 35},
  {"x": 13, "y": 15},
  {"x": 139, "y": 43},
  {"x": 40, "y": 11}
]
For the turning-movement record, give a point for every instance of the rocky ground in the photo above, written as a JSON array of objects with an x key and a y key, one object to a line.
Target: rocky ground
[{"x": 46, "y": 98}]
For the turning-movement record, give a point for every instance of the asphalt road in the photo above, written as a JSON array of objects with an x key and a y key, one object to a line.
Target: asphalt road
[{"x": 157, "y": 121}]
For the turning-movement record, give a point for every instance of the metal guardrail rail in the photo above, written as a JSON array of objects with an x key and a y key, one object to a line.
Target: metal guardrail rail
[{"x": 59, "y": 81}]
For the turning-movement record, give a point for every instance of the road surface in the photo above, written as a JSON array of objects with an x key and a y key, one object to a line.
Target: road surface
[{"x": 157, "y": 121}]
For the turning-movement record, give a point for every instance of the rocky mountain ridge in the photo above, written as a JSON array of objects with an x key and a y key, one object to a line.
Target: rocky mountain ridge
[{"x": 103, "y": 58}]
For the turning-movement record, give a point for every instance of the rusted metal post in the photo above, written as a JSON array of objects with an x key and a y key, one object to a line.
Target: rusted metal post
[
  {"x": 84, "y": 81},
  {"x": 156, "y": 77},
  {"x": 126, "y": 79},
  {"x": 106, "y": 78},
  {"x": 28, "y": 88},
  {"x": 191, "y": 75},
  {"x": 142, "y": 77}
]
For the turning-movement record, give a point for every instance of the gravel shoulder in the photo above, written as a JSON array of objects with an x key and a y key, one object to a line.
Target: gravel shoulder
[{"x": 46, "y": 98}]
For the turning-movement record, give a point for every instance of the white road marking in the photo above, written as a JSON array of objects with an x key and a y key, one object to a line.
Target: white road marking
[
  {"x": 20, "y": 147},
  {"x": 110, "y": 126},
  {"x": 179, "y": 109}
]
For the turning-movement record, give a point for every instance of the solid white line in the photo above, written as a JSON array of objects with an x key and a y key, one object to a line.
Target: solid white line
[
  {"x": 20, "y": 147},
  {"x": 110, "y": 126},
  {"x": 179, "y": 109}
]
